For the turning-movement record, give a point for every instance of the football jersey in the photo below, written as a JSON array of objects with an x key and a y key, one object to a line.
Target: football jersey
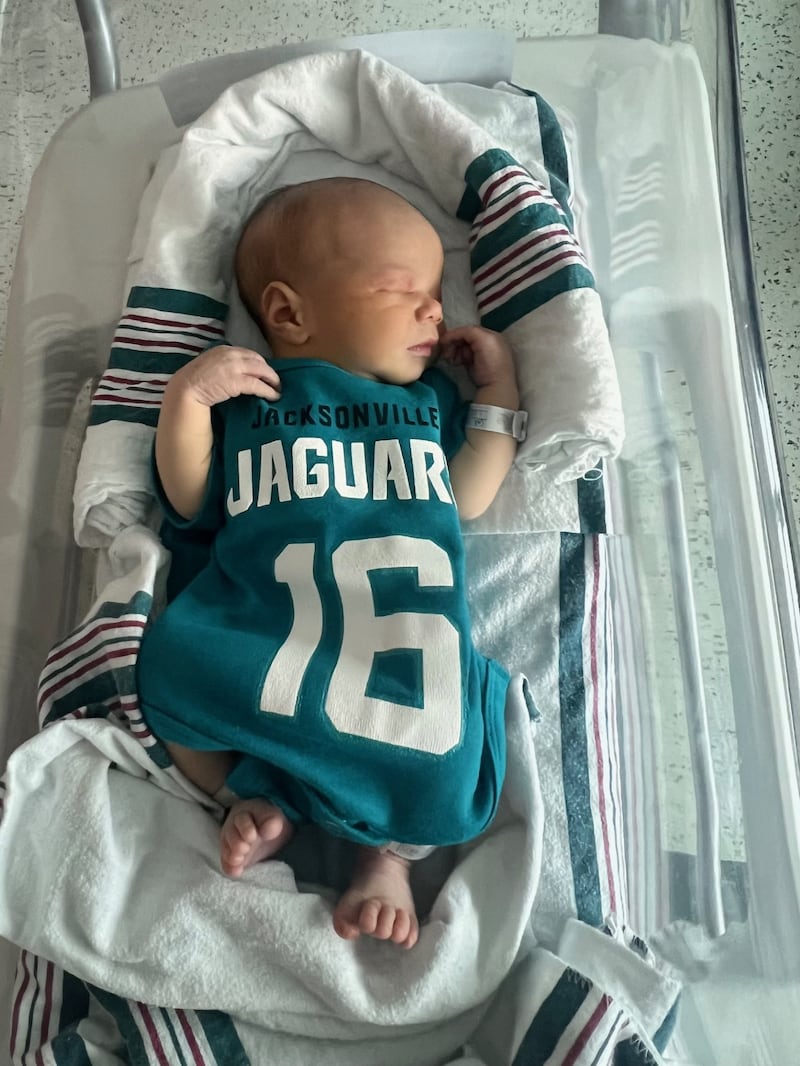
[{"x": 328, "y": 640}]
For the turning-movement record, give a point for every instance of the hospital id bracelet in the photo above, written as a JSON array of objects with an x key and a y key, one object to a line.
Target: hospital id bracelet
[{"x": 498, "y": 420}]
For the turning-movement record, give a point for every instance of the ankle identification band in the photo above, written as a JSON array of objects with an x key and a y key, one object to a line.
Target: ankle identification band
[{"x": 498, "y": 420}]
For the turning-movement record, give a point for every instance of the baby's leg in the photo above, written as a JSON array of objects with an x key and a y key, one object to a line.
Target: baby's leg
[
  {"x": 379, "y": 901},
  {"x": 253, "y": 830}
]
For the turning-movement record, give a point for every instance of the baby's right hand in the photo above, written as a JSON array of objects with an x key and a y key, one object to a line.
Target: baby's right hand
[{"x": 224, "y": 372}]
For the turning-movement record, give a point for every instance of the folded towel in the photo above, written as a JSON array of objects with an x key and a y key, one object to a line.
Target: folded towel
[{"x": 494, "y": 184}]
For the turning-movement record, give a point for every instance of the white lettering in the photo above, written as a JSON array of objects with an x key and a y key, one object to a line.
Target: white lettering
[
  {"x": 388, "y": 466},
  {"x": 245, "y": 471},
  {"x": 347, "y": 469},
  {"x": 359, "y": 489},
  {"x": 273, "y": 474},
  {"x": 309, "y": 481},
  {"x": 424, "y": 474}
]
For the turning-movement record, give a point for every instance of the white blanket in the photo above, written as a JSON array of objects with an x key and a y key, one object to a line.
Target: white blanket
[{"x": 121, "y": 879}]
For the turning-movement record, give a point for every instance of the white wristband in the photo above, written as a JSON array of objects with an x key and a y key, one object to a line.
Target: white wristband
[{"x": 498, "y": 420}]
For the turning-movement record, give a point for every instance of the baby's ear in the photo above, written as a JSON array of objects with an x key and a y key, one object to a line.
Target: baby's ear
[{"x": 282, "y": 313}]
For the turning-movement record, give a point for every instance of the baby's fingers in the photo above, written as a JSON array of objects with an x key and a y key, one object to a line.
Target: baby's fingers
[
  {"x": 252, "y": 385},
  {"x": 457, "y": 352},
  {"x": 254, "y": 365}
]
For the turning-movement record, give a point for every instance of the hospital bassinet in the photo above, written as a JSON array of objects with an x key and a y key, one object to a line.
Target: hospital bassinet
[{"x": 694, "y": 560}]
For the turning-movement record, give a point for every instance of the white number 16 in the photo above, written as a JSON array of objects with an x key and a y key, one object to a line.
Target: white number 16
[{"x": 436, "y": 727}]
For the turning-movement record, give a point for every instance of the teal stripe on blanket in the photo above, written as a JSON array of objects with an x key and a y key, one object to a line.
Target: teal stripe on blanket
[
  {"x": 67, "y": 1048},
  {"x": 169, "y": 1023},
  {"x": 92, "y": 695},
  {"x": 220, "y": 1032},
  {"x": 553, "y": 1018},
  {"x": 664, "y": 1034},
  {"x": 156, "y": 1035},
  {"x": 179, "y": 301},
  {"x": 553, "y": 261},
  {"x": 66, "y": 671},
  {"x": 74, "y": 1000},
  {"x": 554, "y": 151},
  {"x": 632, "y": 1052},
  {"x": 152, "y": 339},
  {"x": 120, "y": 1011},
  {"x": 574, "y": 745},
  {"x": 592, "y": 501}
]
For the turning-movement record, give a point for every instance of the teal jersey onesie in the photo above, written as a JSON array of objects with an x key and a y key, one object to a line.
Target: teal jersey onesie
[{"x": 328, "y": 638}]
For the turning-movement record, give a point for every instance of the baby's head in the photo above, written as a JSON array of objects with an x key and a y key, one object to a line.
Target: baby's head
[{"x": 346, "y": 271}]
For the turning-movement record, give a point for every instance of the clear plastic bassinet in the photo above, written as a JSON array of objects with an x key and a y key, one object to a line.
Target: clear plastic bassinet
[{"x": 703, "y": 587}]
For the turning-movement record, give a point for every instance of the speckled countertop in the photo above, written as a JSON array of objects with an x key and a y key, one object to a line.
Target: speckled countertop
[{"x": 769, "y": 51}]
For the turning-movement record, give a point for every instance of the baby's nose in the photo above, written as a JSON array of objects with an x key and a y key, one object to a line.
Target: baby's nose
[{"x": 432, "y": 308}]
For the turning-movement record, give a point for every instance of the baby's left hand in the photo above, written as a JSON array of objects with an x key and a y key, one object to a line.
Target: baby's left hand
[{"x": 485, "y": 354}]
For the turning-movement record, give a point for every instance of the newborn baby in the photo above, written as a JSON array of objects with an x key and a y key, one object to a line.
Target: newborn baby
[{"x": 320, "y": 668}]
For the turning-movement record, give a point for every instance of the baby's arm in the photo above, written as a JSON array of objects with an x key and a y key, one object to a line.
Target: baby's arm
[
  {"x": 478, "y": 468},
  {"x": 184, "y": 438}
]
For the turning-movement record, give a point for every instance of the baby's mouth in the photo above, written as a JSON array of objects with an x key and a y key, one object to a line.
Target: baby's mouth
[{"x": 426, "y": 348}]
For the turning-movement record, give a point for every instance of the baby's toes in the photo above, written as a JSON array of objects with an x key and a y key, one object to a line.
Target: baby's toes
[
  {"x": 369, "y": 916},
  {"x": 245, "y": 826},
  {"x": 270, "y": 828},
  {"x": 346, "y": 927},
  {"x": 232, "y": 863},
  {"x": 413, "y": 933},
  {"x": 384, "y": 920},
  {"x": 401, "y": 927}
]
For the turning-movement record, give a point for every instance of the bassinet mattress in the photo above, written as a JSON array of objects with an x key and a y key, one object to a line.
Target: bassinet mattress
[{"x": 65, "y": 335}]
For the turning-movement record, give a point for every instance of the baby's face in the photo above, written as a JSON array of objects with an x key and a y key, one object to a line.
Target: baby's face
[{"x": 375, "y": 302}]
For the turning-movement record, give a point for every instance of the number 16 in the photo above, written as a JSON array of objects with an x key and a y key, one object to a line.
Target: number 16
[{"x": 436, "y": 728}]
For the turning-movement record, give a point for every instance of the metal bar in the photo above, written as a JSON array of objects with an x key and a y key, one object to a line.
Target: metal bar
[
  {"x": 708, "y": 884},
  {"x": 101, "y": 48}
]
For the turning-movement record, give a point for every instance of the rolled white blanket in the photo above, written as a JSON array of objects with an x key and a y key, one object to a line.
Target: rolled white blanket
[{"x": 487, "y": 166}]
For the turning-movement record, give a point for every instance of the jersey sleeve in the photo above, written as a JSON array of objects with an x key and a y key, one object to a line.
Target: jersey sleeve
[{"x": 452, "y": 410}]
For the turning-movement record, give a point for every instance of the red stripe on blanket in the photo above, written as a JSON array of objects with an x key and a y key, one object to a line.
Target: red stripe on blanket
[
  {"x": 503, "y": 178},
  {"x": 123, "y": 622},
  {"x": 48, "y": 1005},
  {"x": 612, "y": 892},
  {"x": 191, "y": 1039},
  {"x": 18, "y": 1002},
  {"x": 218, "y": 330},
  {"x": 509, "y": 208},
  {"x": 587, "y": 1031},
  {"x": 126, "y": 342},
  {"x": 492, "y": 268},
  {"x": 152, "y": 1033},
  {"x": 80, "y": 673},
  {"x": 137, "y": 726},
  {"x": 539, "y": 268},
  {"x": 123, "y": 401}
]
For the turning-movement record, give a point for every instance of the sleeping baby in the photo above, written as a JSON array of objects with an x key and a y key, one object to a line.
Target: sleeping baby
[{"x": 320, "y": 666}]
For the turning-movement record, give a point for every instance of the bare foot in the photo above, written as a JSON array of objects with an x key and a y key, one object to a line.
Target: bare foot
[
  {"x": 379, "y": 901},
  {"x": 253, "y": 830}
]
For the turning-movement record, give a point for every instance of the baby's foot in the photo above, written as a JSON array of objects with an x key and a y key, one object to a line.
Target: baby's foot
[
  {"x": 253, "y": 830},
  {"x": 379, "y": 901}
]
